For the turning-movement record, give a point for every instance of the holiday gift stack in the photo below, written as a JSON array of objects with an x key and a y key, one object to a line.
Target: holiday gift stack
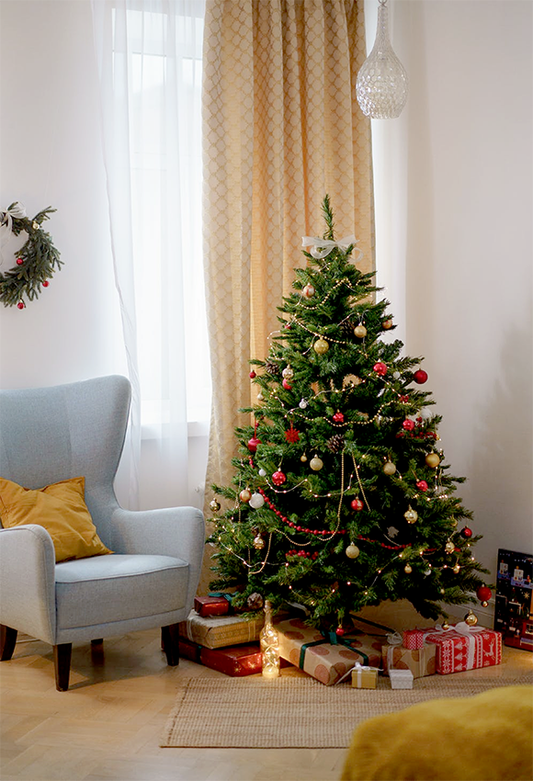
[
  {"x": 328, "y": 657},
  {"x": 449, "y": 649},
  {"x": 212, "y": 636}
]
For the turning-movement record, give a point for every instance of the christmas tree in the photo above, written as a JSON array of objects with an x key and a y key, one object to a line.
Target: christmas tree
[{"x": 341, "y": 496}]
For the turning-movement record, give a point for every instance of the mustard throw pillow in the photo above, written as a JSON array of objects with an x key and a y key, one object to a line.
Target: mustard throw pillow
[{"x": 60, "y": 508}]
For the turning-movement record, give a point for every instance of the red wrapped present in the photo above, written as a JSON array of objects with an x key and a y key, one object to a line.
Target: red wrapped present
[
  {"x": 212, "y": 606},
  {"x": 413, "y": 639},
  {"x": 463, "y": 647},
  {"x": 236, "y": 661}
]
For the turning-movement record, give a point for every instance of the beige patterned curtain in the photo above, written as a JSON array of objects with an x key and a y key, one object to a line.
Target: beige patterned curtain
[{"x": 282, "y": 128}]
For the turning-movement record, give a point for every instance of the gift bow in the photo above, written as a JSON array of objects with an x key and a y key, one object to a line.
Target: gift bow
[
  {"x": 16, "y": 211},
  {"x": 320, "y": 248}
]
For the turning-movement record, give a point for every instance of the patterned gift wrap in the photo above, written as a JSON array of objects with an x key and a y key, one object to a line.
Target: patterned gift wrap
[
  {"x": 413, "y": 639},
  {"x": 421, "y": 661},
  {"x": 220, "y": 631},
  {"x": 326, "y": 658},
  {"x": 463, "y": 647}
]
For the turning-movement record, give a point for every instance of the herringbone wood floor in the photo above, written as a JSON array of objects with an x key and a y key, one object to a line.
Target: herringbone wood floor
[{"x": 107, "y": 726}]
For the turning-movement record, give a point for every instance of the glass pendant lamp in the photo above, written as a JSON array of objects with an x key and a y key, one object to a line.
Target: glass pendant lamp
[{"x": 382, "y": 82}]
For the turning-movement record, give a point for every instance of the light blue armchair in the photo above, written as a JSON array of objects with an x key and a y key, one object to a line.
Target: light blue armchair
[{"x": 53, "y": 434}]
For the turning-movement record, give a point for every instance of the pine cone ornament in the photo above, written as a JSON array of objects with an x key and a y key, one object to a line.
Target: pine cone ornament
[
  {"x": 254, "y": 601},
  {"x": 335, "y": 443},
  {"x": 272, "y": 368},
  {"x": 346, "y": 328}
]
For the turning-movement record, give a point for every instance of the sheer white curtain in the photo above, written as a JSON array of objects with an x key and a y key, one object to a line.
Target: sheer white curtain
[{"x": 149, "y": 60}]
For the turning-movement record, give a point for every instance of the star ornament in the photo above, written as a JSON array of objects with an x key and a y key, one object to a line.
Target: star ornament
[{"x": 292, "y": 434}]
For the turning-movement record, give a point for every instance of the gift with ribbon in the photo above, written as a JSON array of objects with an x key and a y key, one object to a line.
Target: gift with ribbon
[
  {"x": 235, "y": 660},
  {"x": 326, "y": 656},
  {"x": 215, "y": 604},
  {"x": 463, "y": 647},
  {"x": 220, "y": 631},
  {"x": 420, "y": 661}
]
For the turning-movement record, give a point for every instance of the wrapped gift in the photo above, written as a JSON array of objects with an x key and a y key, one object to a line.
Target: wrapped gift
[
  {"x": 212, "y": 606},
  {"x": 220, "y": 631},
  {"x": 420, "y": 661},
  {"x": 463, "y": 647},
  {"x": 401, "y": 679},
  {"x": 364, "y": 677},
  {"x": 413, "y": 639},
  {"x": 236, "y": 661},
  {"x": 326, "y": 657}
]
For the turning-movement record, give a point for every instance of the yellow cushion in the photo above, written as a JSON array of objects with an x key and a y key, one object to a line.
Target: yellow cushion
[
  {"x": 60, "y": 508},
  {"x": 487, "y": 736}
]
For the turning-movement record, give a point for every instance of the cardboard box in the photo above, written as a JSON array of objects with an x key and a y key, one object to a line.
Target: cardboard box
[
  {"x": 220, "y": 631},
  {"x": 309, "y": 649},
  {"x": 401, "y": 679},
  {"x": 514, "y": 599}
]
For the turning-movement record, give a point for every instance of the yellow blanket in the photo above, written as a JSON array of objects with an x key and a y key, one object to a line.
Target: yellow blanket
[{"x": 488, "y": 737}]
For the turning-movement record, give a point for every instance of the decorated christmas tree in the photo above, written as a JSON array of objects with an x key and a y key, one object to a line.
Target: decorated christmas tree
[{"x": 341, "y": 496}]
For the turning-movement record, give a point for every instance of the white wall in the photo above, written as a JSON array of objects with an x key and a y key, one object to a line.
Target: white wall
[{"x": 455, "y": 243}]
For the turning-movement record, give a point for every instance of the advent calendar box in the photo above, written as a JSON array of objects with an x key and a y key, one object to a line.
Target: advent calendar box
[{"x": 514, "y": 599}]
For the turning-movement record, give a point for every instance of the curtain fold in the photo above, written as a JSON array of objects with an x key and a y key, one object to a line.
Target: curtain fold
[
  {"x": 149, "y": 58},
  {"x": 281, "y": 128}
]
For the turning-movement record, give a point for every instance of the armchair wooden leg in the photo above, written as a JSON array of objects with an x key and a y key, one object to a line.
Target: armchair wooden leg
[
  {"x": 8, "y": 638},
  {"x": 62, "y": 654},
  {"x": 169, "y": 642}
]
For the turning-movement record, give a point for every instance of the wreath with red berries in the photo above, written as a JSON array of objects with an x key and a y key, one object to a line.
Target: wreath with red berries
[{"x": 36, "y": 260}]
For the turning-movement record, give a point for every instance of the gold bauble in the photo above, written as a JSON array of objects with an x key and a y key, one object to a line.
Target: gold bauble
[
  {"x": 321, "y": 346},
  {"x": 449, "y": 547},
  {"x": 360, "y": 331},
  {"x": 316, "y": 464},
  {"x": 485, "y": 604},
  {"x": 410, "y": 515},
  {"x": 389, "y": 468},
  {"x": 457, "y": 569},
  {"x": 308, "y": 291},
  {"x": 432, "y": 460},
  {"x": 408, "y": 569},
  {"x": 445, "y": 625},
  {"x": 352, "y": 551},
  {"x": 260, "y": 396},
  {"x": 214, "y": 505},
  {"x": 259, "y": 542},
  {"x": 470, "y": 619},
  {"x": 245, "y": 495},
  {"x": 387, "y": 324},
  {"x": 303, "y": 458}
]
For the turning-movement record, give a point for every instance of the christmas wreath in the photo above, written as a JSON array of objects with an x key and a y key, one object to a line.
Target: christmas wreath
[{"x": 36, "y": 260}]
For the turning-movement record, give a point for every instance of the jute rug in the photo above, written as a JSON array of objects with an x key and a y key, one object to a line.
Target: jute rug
[{"x": 298, "y": 712}]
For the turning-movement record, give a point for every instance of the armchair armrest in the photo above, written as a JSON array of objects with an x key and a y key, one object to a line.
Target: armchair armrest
[
  {"x": 176, "y": 531},
  {"x": 27, "y": 581}
]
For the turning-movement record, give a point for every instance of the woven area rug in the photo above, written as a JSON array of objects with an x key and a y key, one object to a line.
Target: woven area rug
[{"x": 298, "y": 712}]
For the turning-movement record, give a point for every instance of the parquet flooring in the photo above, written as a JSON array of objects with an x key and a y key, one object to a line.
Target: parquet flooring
[{"x": 107, "y": 726}]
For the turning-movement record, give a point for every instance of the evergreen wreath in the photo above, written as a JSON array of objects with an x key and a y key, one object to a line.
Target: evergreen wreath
[{"x": 36, "y": 260}]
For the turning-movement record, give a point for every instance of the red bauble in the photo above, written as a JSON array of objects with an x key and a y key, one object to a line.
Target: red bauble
[
  {"x": 19, "y": 261},
  {"x": 286, "y": 385},
  {"x": 408, "y": 424},
  {"x": 20, "y": 305},
  {"x": 422, "y": 485},
  {"x": 420, "y": 376},
  {"x": 484, "y": 593},
  {"x": 340, "y": 631},
  {"x": 252, "y": 374},
  {"x": 357, "y": 504},
  {"x": 466, "y": 532},
  {"x": 380, "y": 368},
  {"x": 338, "y": 417},
  {"x": 253, "y": 443},
  {"x": 278, "y": 478},
  {"x": 45, "y": 283}
]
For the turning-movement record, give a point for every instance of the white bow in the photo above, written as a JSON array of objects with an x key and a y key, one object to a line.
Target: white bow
[
  {"x": 17, "y": 211},
  {"x": 320, "y": 248}
]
